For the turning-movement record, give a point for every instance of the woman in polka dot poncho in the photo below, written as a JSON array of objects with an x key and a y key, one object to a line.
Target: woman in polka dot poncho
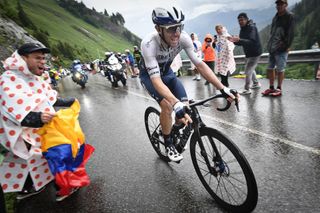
[{"x": 26, "y": 103}]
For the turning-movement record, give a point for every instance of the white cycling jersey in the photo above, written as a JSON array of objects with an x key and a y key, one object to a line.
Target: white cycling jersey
[{"x": 158, "y": 57}]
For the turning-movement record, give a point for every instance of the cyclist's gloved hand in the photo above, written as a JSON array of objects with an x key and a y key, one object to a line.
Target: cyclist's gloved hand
[
  {"x": 227, "y": 93},
  {"x": 179, "y": 109}
]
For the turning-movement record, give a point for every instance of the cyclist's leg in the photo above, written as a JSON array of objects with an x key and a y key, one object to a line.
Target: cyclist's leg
[
  {"x": 166, "y": 109},
  {"x": 165, "y": 115},
  {"x": 177, "y": 88}
]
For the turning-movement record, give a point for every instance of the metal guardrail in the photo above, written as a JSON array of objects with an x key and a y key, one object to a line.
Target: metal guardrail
[{"x": 297, "y": 56}]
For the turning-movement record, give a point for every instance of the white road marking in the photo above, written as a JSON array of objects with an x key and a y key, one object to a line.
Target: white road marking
[{"x": 253, "y": 131}]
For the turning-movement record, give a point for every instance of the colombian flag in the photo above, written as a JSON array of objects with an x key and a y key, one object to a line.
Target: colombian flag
[{"x": 62, "y": 144}]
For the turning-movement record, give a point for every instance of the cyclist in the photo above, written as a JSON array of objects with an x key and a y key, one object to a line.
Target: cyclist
[{"x": 158, "y": 51}]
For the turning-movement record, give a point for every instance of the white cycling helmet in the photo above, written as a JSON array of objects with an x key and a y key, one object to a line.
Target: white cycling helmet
[
  {"x": 107, "y": 53},
  {"x": 167, "y": 17}
]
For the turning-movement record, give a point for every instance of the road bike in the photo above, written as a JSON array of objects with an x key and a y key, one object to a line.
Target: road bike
[{"x": 220, "y": 165}]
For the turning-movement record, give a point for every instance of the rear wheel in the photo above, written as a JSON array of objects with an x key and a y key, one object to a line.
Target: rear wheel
[
  {"x": 153, "y": 128},
  {"x": 228, "y": 177}
]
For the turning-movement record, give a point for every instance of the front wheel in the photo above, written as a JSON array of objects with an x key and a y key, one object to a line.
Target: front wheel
[
  {"x": 227, "y": 175},
  {"x": 153, "y": 128}
]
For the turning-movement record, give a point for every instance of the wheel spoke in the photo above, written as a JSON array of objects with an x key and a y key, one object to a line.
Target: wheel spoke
[
  {"x": 238, "y": 191},
  {"x": 228, "y": 195},
  {"x": 231, "y": 185},
  {"x": 236, "y": 187},
  {"x": 237, "y": 180},
  {"x": 232, "y": 161}
]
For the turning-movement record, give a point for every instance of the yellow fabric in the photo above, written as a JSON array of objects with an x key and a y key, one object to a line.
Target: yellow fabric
[{"x": 64, "y": 128}]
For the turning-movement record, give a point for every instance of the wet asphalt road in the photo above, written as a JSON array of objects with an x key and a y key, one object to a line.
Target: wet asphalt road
[{"x": 279, "y": 136}]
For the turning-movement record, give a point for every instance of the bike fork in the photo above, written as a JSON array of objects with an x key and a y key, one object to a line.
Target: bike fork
[{"x": 203, "y": 150}]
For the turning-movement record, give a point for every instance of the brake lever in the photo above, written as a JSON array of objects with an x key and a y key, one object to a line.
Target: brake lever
[{"x": 234, "y": 92}]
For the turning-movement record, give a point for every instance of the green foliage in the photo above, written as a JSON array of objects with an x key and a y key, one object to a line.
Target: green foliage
[
  {"x": 24, "y": 19},
  {"x": 8, "y": 9},
  {"x": 293, "y": 71},
  {"x": 10, "y": 200},
  {"x": 300, "y": 71}
]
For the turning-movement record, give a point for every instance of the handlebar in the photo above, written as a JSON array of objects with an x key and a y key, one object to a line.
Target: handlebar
[{"x": 202, "y": 102}]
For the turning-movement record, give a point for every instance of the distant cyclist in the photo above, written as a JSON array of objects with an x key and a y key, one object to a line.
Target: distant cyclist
[{"x": 158, "y": 50}]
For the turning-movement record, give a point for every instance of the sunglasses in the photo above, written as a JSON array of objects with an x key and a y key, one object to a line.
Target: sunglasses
[
  {"x": 208, "y": 40},
  {"x": 280, "y": 3},
  {"x": 173, "y": 29}
]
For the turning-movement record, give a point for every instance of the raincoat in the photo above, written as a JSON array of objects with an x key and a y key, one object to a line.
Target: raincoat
[
  {"x": 224, "y": 54},
  {"x": 20, "y": 93}
]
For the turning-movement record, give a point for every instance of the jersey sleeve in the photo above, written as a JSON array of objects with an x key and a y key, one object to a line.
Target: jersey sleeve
[
  {"x": 187, "y": 45},
  {"x": 148, "y": 50}
]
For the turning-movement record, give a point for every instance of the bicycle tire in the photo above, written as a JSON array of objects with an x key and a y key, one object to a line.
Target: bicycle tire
[
  {"x": 152, "y": 124},
  {"x": 249, "y": 202}
]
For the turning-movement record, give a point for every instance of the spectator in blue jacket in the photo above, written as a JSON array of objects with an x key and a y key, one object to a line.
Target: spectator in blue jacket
[{"x": 130, "y": 62}]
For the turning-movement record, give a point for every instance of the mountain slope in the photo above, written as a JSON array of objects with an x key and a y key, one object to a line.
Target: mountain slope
[
  {"x": 86, "y": 40},
  {"x": 206, "y": 23}
]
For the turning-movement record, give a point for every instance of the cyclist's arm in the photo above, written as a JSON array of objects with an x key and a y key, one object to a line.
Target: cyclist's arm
[{"x": 207, "y": 73}]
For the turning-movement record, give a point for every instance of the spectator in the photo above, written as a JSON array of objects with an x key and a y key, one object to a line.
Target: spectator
[
  {"x": 249, "y": 39},
  {"x": 130, "y": 62},
  {"x": 26, "y": 104},
  {"x": 137, "y": 54},
  {"x": 197, "y": 49},
  {"x": 225, "y": 64},
  {"x": 208, "y": 52},
  {"x": 3, "y": 151},
  {"x": 281, "y": 37}
]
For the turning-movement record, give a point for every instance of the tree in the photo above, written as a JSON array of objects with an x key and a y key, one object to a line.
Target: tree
[
  {"x": 106, "y": 13},
  {"x": 23, "y": 18}
]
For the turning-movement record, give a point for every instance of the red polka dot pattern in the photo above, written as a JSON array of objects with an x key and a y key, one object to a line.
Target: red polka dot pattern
[
  {"x": 19, "y": 101},
  {"x": 4, "y": 186},
  {"x": 12, "y": 132}
]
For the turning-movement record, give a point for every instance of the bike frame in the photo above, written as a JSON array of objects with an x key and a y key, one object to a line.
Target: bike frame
[{"x": 196, "y": 126}]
